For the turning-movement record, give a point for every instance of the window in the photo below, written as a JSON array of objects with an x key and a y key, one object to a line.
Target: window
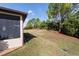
[{"x": 9, "y": 26}]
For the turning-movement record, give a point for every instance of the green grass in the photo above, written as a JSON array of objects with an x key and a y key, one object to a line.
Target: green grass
[{"x": 45, "y": 43}]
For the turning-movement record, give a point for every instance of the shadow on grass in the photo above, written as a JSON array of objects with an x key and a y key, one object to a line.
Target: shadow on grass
[{"x": 28, "y": 37}]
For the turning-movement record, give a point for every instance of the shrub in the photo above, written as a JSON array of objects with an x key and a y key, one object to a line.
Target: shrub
[{"x": 70, "y": 26}]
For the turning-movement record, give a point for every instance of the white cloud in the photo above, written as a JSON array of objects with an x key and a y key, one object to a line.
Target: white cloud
[{"x": 31, "y": 12}]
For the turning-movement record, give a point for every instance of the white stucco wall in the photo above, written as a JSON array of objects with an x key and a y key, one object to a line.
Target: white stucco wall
[{"x": 12, "y": 43}]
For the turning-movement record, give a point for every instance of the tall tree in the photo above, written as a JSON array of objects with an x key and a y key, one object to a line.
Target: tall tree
[
  {"x": 56, "y": 8},
  {"x": 59, "y": 9}
]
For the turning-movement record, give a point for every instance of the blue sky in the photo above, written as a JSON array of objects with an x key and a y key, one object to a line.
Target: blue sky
[{"x": 33, "y": 9}]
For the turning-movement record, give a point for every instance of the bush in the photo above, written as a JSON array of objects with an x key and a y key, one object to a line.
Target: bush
[
  {"x": 70, "y": 26},
  {"x": 43, "y": 25},
  {"x": 53, "y": 25},
  {"x": 77, "y": 33},
  {"x": 35, "y": 23}
]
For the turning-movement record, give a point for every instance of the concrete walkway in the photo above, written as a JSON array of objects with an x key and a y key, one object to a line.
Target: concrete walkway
[{"x": 7, "y": 51}]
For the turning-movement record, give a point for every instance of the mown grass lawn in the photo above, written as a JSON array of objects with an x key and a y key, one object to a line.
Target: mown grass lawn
[{"x": 43, "y": 42}]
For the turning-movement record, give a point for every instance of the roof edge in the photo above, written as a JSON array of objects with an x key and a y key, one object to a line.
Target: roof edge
[{"x": 24, "y": 14}]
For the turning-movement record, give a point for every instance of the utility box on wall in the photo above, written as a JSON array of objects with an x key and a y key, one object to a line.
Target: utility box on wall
[{"x": 11, "y": 28}]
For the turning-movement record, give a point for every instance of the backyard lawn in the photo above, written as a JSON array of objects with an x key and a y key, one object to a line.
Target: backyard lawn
[{"x": 47, "y": 43}]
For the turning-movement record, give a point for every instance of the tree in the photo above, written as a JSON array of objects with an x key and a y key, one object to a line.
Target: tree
[
  {"x": 43, "y": 25},
  {"x": 60, "y": 9},
  {"x": 29, "y": 24},
  {"x": 37, "y": 23},
  {"x": 33, "y": 23},
  {"x": 70, "y": 25}
]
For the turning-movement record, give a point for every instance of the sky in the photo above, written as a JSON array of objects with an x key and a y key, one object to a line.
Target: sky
[{"x": 33, "y": 9}]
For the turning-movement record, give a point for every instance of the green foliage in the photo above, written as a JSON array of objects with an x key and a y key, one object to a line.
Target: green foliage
[
  {"x": 36, "y": 23},
  {"x": 52, "y": 25},
  {"x": 70, "y": 25},
  {"x": 56, "y": 8},
  {"x": 33, "y": 23},
  {"x": 43, "y": 25},
  {"x": 29, "y": 25}
]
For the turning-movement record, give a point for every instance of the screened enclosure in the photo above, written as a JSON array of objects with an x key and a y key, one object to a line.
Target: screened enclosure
[{"x": 9, "y": 26}]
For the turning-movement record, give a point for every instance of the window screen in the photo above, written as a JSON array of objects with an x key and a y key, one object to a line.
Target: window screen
[{"x": 9, "y": 26}]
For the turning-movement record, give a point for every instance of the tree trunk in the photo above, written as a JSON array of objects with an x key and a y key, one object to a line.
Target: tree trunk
[{"x": 60, "y": 22}]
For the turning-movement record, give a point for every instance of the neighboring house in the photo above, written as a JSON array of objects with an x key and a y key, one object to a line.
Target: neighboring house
[{"x": 11, "y": 28}]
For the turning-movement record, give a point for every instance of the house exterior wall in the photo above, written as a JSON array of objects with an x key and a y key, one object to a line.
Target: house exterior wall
[{"x": 16, "y": 42}]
